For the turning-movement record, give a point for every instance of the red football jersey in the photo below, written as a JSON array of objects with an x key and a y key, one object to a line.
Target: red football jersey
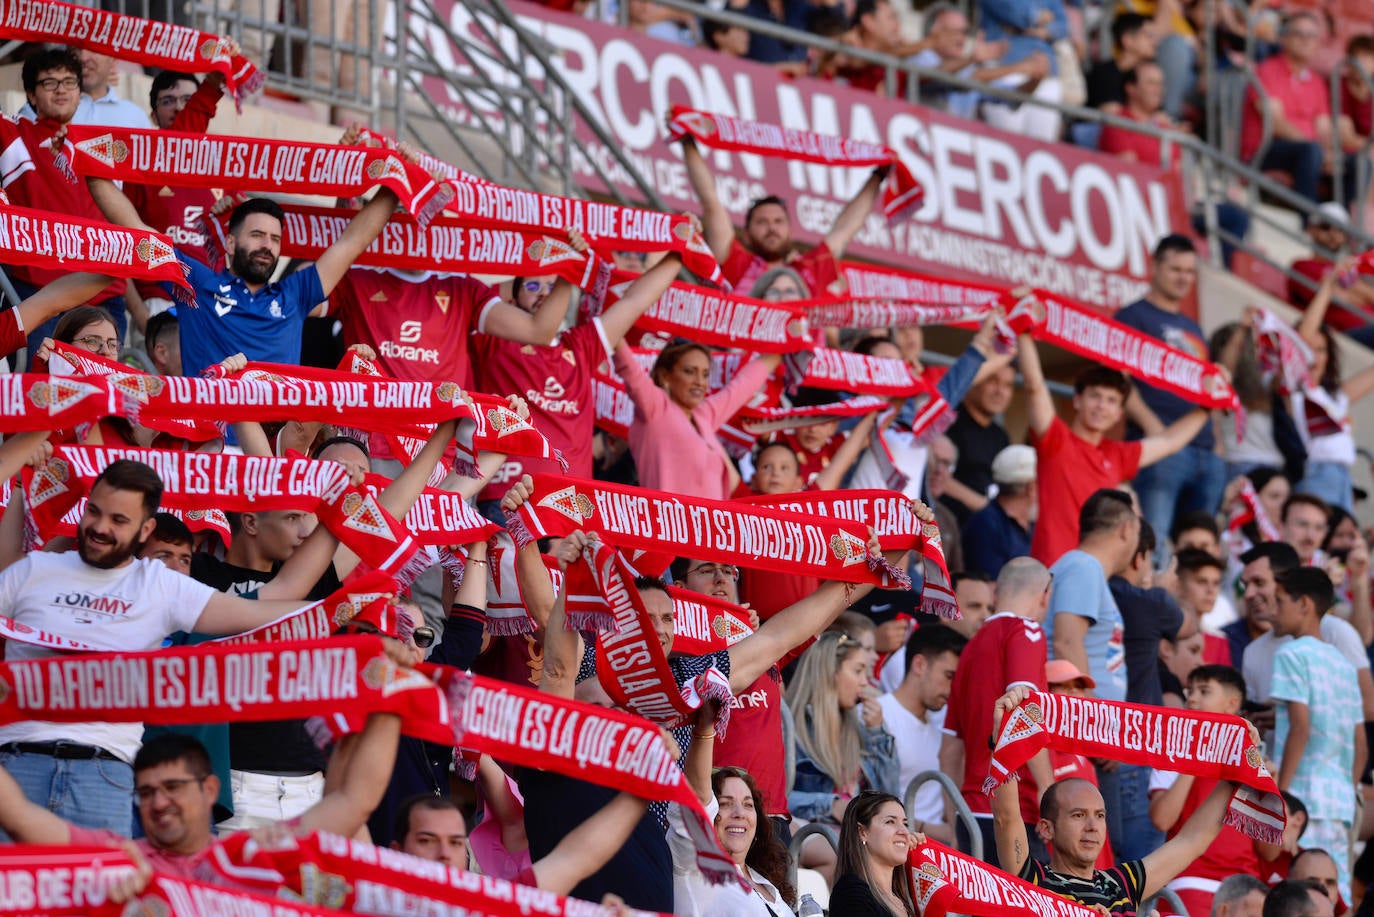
[
  {"x": 1231, "y": 853},
  {"x": 754, "y": 740},
  {"x": 817, "y": 267},
  {"x": 1007, "y": 650},
  {"x": 556, "y": 380}
]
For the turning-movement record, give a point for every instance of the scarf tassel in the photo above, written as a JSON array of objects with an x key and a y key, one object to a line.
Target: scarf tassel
[
  {"x": 519, "y": 532},
  {"x": 894, "y": 577}
]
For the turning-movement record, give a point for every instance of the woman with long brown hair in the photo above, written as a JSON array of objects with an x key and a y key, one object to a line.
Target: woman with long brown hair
[{"x": 874, "y": 842}]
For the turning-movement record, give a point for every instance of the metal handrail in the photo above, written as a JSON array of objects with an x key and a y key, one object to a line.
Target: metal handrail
[
  {"x": 1169, "y": 895},
  {"x": 961, "y": 809},
  {"x": 828, "y": 832},
  {"x": 789, "y": 746}
]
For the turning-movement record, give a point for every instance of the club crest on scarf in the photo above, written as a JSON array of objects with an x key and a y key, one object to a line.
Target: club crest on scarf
[
  {"x": 447, "y": 392},
  {"x": 576, "y": 506},
  {"x": 388, "y": 168},
  {"x": 928, "y": 881},
  {"x": 214, "y": 49},
  {"x": 727, "y": 628},
  {"x": 848, "y": 549},
  {"x": 154, "y": 252},
  {"x": 105, "y": 148},
  {"x": 549, "y": 250},
  {"x": 57, "y": 395},
  {"x": 137, "y": 386},
  {"x": 362, "y": 513},
  {"x": 319, "y": 887},
  {"x": 49, "y": 481}
]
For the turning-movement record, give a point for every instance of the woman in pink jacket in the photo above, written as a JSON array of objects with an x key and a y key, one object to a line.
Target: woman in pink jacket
[{"x": 673, "y": 436}]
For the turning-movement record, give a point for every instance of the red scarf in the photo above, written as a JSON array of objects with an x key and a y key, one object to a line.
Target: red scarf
[
  {"x": 945, "y": 881},
  {"x": 131, "y": 383},
  {"x": 704, "y": 624},
  {"x": 506, "y": 603},
  {"x": 357, "y": 598},
  {"x": 50, "y": 240},
  {"x": 237, "y": 483},
  {"x": 712, "y": 530},
  {"x": 769, "y": 419},
  {"x": 718, "y": 319},
  {"x": 602, "y": 745},
  {"x": 38, "y": 401},
  {"x": 441, "y": 517},
  {"x": 356, "y": 877},
  {"x": 1184, "y": 741},
  {"x": 225, "y": 682},
  {"x": 253, "y": 164},
  {"x": 449, "y": 243},
  {"x": 142, "y": 41},
  {"x": 901, "y": 193},
  {"x": 1247, "y": 508},
  {"x": 630, "y": 662},
  {"x": 1282, "y": 352},
  {"x": 889, "y": 313},
  {"x": 889, "y": 514},
  {"x": 841, "y": 370}
]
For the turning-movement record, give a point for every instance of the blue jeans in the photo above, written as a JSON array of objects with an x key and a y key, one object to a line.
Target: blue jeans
[
  {"x": 94, "y": 793},
  {"x": 1191, "y": 479},
  {"x": 1330, "y": 481},
  {"x": 1139, "y": 836}
]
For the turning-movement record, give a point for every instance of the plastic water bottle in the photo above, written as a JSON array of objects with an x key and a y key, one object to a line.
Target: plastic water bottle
[{"x": 808, "y": 906}]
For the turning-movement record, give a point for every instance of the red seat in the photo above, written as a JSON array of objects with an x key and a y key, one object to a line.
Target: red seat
[{"x": 1261, "y": 274}]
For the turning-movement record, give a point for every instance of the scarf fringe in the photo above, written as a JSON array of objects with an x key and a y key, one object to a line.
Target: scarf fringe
[
  {"x": 588, "y": 620},
  {"x": 794, "y": 369},
  {"x": 1252, "y": 827},
  {"x": 519, "y": 532},
  {"x": 414, "y": 568},
  {"x": 509, "y": 625},
  {"x": 940, "y": 606},
  {"x": 894, "y": 577}
]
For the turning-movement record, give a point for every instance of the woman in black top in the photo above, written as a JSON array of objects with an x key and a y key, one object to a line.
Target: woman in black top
[{"x": 872, "y": 859}]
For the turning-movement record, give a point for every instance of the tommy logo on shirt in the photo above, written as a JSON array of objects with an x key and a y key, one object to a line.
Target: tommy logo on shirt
[{"x": 91, "y": 603}]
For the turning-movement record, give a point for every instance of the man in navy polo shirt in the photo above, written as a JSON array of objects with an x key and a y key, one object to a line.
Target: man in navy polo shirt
[
  {"x": 1002, "y": 529},
  {"x": 240, "y": 309}
]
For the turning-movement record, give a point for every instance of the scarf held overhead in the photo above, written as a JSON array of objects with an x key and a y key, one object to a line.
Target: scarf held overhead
[
  {"x": 253, "y": 164},
  {"x": 901, "y": 193},
  {"x": 141, "y": 41},
  {"x": 42, "y": 239},
  {"x": 239, "y": 483},
  {"x": 1184, "y": 741},
  {"x": 711, "y": 530}
]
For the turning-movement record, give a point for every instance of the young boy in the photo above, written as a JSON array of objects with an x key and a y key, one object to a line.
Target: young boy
[
  {"x": 1317, "y": 700},
  {"x": 1174, "y": 797}
]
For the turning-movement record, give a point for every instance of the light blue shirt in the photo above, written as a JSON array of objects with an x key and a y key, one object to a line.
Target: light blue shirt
[{"x": 1080, "y": 587}]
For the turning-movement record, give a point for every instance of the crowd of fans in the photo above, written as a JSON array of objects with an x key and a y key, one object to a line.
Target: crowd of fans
[{"x": 1181, "y": 565}]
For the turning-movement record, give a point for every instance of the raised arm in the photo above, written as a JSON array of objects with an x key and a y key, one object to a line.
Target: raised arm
[
  {"x": 715, "y": 219},
  {"x": 590, "y": 845},
  {"x": 1174, "y": 437},
  {"x": 115, "y": 205},
  {"x": 66, "y": 292},
  {"x": 1191, "y": 842},
  {"x": 27, "y": 822},
  {"x": 1013, "y": 848},
  {"x": 563, "y": 647},
  {"x": 639, "y": 298},
  {"x": 1315, "y": 313},
  {"x": 228, "y": 614},
  {"x": 367, "y": 773},
  {"x": 536, "y": 589},
  {"x": 365, "y": 226},
  {"x": 1166, "y": 806},
  {"x": 1039, "y": 404},
  {"x": 851, "y": 219}
]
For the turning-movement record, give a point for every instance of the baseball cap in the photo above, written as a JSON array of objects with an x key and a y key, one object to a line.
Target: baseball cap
[
  {"x": 1014, "y": 465},
  {"x": 1061, "y": 671},
  {"x": 1331, "y": 214}
]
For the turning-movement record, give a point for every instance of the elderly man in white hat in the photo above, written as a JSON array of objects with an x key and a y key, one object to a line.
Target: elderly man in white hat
[{"x": 1002, "y": 529}]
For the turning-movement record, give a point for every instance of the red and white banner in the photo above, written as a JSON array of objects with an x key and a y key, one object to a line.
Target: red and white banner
[
  {"x": 997, "y": 207},
  {"x": 945, "y": 881}
]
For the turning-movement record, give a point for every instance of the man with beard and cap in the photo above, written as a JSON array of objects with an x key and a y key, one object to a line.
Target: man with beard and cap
[
  {"x": 104, "y": 596},
  {"x": 241, "y": 309}
]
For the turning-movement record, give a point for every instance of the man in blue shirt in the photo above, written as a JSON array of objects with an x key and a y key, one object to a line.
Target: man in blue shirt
[
  {"x": 1002, "y": 529},
  {"x": 1193, "y": 478},
  {"x": 240, "y": 309}
]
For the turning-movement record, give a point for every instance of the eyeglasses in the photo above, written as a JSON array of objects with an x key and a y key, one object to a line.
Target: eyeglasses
[
  {"x": 96, "y": 344},
  {"x": 423, "y": 636},
  {"x": 723, "y": 571},
  {"x": 52, "y": 83},
  {"x": 169, "y": 101},
  {"x": 172, "y": 788},
  {"x": 538, "y": 286}
]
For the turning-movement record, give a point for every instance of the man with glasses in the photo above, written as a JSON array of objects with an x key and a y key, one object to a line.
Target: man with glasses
[
  {"x": 1298, "y": 101},
  {"x": 176, "y": 794},
  {"x": 32, "y": 176}
]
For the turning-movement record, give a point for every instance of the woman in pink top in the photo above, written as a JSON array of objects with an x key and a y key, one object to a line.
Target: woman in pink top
[{"x": 673, "y": 436}]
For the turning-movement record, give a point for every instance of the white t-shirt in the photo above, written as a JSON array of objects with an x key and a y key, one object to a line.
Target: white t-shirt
[
  {"x": 1258, "y": 664},
  {"x": 907, "y": 456},
  {"x": 133, "y": 608},
  {"x": 918, "y": 750}
]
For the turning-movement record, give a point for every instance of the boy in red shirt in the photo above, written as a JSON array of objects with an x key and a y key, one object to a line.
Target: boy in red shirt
[{"x": 1174, "y": 797}]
